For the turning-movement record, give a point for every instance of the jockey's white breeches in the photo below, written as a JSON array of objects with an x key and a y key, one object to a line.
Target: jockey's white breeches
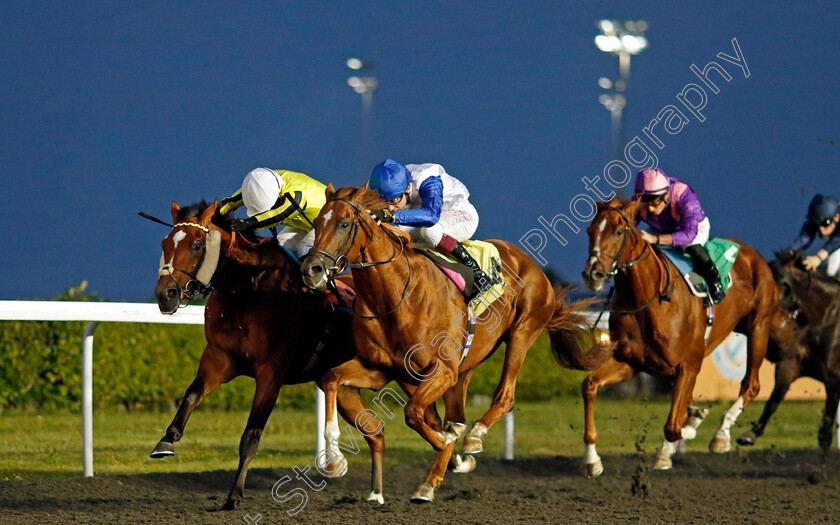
[{"x": 459, "y": 222}]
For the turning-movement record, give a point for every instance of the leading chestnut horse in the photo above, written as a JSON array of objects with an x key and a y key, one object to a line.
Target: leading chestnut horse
[
  {"x": 410, "y": 325},
  {"x": 658, "y": 326},
  {"x": 260, "y": 321}
]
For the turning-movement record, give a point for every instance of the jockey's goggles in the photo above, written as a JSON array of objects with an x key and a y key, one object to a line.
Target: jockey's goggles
[
  {"x": 652, "y": 200},
  {"x": 397, "y": 199},
  {"x": 825, "y": 223}
]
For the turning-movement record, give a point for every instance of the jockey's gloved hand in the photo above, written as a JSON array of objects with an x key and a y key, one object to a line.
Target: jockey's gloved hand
[
  {"x": 383, "y": 215},
  {"x": 239, "y": 225}
]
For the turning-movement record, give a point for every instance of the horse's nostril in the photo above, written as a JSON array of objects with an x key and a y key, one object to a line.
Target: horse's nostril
[
  {"x": 315, "y": 270},
  {"x": 171, "y": 293}
]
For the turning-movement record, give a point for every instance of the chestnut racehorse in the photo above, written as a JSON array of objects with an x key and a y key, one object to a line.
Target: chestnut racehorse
[
  {"x": 658, "y": 327},
  {"x": 804, "y": 341},
  {"x": 260, "y": 321},
  {"x": 410, "y": 324}
]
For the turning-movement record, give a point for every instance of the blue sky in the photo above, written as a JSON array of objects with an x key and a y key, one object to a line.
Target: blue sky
[{"x": 110, "y": 108}]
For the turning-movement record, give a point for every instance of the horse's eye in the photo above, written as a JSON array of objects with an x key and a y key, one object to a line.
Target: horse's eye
[
  {"x": 344, "y": 225},
  {"x": 619, "y": 231},
  {"x": 196, "y": 245}
]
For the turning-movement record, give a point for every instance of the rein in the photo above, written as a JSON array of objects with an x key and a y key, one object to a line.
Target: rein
[{"x": 341, "y": 261}]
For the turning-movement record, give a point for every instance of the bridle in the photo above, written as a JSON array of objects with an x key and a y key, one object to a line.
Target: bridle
[
  {"x": 616, "y": 265},
  {"x": 664, "y": 271},
  {"x": 195, "y": 284},
  {"x": 341, "y": 261}
]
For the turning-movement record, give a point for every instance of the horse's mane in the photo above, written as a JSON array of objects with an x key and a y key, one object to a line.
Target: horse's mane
[
  {"x": 224, "y": 222},
  {"x": 369, "y": 199},
  {"x": 785, "y": 257}
]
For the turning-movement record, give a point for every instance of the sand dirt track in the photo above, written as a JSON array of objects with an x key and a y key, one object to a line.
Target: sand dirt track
[{"x": 791, "y": 486}]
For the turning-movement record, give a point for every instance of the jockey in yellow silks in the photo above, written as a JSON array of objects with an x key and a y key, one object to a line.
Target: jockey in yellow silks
[
  {"x": 279, "y": 198},
  {"x": 431, "y": 206}
]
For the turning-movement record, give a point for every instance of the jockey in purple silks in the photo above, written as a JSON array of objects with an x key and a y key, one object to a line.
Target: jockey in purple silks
[{"x": 672, "y": 210}]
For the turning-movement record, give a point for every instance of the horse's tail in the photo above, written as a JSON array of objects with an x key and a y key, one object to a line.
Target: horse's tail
[{"x": 570, "y": 334}]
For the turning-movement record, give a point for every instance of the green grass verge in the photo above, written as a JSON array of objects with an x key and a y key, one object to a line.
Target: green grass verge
[{"x": 45, "y": 445}]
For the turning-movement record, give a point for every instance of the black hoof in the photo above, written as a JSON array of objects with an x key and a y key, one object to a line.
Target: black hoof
[
  {"x": 163, "y": 449},
  {"x": 230, "y": 504},
  {"x": 747, "y": 439}
]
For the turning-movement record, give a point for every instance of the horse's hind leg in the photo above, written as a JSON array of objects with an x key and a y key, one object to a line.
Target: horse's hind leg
[
  {"x": 265, "y": 397},
  {"x": 609, "y": 373},
  {"x": 214, "y": 368},
  {"x": 352, "y": 408},
  {"x": 758, "y": 334},
  {"x": 832, "y": 397},
  {"x": 787, "y": 370}
]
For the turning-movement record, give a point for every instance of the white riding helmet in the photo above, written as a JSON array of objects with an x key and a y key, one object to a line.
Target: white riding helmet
[{"x": 260, "y": 190}]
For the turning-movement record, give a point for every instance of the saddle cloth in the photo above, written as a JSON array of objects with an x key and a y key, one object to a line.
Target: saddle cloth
[
  {"x": 723, "y": 253},
  {"x": 487, "y": 256}
]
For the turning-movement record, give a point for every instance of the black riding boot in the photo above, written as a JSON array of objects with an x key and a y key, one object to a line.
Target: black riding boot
[
  {"x": 707, "y": 270},
  {"x": 482, "y": 281}
]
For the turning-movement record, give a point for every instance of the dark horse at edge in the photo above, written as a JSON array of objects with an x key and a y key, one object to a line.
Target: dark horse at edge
[
  {"x": 804, "y": 341},
  {"x": 260, "y": 321}
]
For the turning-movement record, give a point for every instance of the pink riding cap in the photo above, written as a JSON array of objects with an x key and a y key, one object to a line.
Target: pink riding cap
[{"x": 652, "y": 181}]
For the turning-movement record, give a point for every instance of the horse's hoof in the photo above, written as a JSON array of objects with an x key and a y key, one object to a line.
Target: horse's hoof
[
  {"x": 376, "y": 497},
  {"x": 662, "y": 463},
  {"x": 448, "y": 437},
  {"x": 463, "y": 464},
  {"x": 592, "y": 470},
  {"x": 162, "y": 450},
  {"x": 747, "y": 438},
  {"x": 230, "y": 504},
  {"x": 473, "y": 446},
  {"x": 336, "y": 468},
  {"x": 423, "y": 494},
  {"x": 456, "y": 428},
  {"x": 720, "y": 445}
]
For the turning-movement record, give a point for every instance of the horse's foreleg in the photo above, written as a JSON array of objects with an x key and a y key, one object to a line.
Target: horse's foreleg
[
  {"x": 427, "y": 393},
  {"x": 455, "y": 400},
  {"x": 787, "y": 371},
  {"x": 216, "y": 367},
  {"x": 832, "y": 397},
  {"x": 265, "y": 397},
  {"x": 609, "y": 373},
  {"x": 352, "y": 408},
  {"x": 350, "y": 374},
  {"x": 757, "y": 337},
  {"x": 681, "y": 398},
  {"x": 516, "y": 347}
]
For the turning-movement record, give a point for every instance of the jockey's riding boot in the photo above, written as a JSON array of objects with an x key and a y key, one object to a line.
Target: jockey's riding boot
[
  {"x": 482, "y": 281},
  {"x": 708, "y": 271}
]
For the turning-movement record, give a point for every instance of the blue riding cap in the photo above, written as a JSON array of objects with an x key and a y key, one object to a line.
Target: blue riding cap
[
  {"x": 822, "y": 207},
  {"x": 390, "y": 178}
]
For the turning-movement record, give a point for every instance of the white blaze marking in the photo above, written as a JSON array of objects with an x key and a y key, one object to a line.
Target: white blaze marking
[
  {"x": 328, "y": 216},
  {"x": 179, "y": 235}
]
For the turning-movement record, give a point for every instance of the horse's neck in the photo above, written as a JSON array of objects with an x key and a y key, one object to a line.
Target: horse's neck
[
  {"x": 643, "y": 280},
  {"x": 381, "y": 287},
  {"x": 816, "y": 296},
  {"x": 246, "y": 261}
]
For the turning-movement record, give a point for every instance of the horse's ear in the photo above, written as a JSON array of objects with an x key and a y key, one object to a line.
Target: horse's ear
[
  {"x": 175, "y": 210},
  {"x": 615, "y": 202},
  {"x": 207, "y": 214},
  {"x": 631, "y": 209},
  {"x": 366, "y": 187},
  {"x": 330, "y": 191}
]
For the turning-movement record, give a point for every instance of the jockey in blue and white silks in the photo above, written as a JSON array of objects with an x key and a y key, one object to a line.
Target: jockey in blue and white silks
[
  {"x": 672, "y": 210},
  {"x": 431, "y": 206},
  {"x": 822, "y": 219}
]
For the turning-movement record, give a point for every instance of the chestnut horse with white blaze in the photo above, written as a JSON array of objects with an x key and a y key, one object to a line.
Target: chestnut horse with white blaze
[
  {"x": 260, "y": 321},
  {"x": 658, "y": 326},
  {"x": 410, "y": 324}
]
